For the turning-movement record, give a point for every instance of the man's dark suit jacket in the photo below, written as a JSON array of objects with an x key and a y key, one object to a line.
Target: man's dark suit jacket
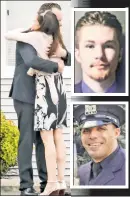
[{"x": 23, "y": 85}]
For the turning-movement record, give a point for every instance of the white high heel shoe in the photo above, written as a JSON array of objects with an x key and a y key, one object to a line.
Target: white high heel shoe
[
  {"x": 51, "y": 190},
  {"x": 63, "y": 187}
]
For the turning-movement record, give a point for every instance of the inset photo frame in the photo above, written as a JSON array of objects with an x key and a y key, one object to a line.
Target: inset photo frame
[
  {"x": 100, "y": 52},
  {"x": 99, "y": 145}
]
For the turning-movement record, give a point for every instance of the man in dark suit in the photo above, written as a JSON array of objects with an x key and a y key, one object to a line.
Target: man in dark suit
[
  {"x": 23, "y": 94},
  {"x": 99, "y": 126}
]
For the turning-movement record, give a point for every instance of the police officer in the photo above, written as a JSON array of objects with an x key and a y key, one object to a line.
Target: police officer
[{"x": 100, "y": 128}]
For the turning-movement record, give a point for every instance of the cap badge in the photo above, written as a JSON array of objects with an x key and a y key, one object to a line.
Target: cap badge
[{"x": 90, "y": 109}]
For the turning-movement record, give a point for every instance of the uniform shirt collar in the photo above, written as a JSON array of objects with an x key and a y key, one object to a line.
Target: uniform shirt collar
[{"x": 86, "y": 89}]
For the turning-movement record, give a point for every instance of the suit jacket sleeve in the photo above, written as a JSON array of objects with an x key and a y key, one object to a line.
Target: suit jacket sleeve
[
  {"x": 30, "y": 58},
  {"x": 81, "y": 174},
  {"x": 67, "y": 59}
]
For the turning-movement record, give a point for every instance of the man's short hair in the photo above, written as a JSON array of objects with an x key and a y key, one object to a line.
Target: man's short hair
[
  {"x": 101, "y": 18},
  {"x": 48, "y": 6}
]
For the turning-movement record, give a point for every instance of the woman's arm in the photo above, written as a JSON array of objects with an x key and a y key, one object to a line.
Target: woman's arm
[
  {"x": 39, "y": 40},
  {"x": 41, "y": 64},
  {"x": 17, "y": 35}
]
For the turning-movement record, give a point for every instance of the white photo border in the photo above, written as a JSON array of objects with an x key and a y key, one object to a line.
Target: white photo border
[
  {"x": 126, "y": 10},
  {"x": 126, "y": 186}
]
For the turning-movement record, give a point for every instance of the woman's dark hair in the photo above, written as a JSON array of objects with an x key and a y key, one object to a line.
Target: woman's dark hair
[{"x": 50, "y": 25}]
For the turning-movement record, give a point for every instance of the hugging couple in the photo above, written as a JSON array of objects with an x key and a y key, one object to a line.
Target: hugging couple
[{"x": 40, "y": 100}]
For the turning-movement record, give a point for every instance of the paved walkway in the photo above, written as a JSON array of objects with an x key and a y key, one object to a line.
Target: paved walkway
[{"x": 10, "y": 186}]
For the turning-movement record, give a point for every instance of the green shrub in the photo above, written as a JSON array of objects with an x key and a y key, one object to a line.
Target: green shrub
[{"x": 9, "y": 136}]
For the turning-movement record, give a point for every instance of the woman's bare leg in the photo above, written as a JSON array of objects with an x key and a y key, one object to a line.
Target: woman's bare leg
[
  {"x": 60, "y": 152},
  {"x": 50, "y": 156}
]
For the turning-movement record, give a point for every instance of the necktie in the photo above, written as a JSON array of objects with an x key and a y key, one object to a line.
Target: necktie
[{"x": 96, "y": 169}]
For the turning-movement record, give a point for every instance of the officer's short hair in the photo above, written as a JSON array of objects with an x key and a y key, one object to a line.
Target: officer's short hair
[{"x": 101, "y": 18}]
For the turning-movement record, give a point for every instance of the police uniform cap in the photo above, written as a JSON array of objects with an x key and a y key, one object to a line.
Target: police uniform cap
[{"x": 97, "y": 115}]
